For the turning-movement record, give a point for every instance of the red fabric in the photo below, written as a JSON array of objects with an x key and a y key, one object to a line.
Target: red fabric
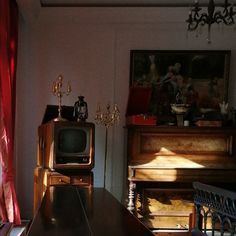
[{"x": 8, "y": 51}]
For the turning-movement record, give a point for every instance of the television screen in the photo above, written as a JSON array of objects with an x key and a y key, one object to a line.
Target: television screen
[{"x": 72, "y": 140}]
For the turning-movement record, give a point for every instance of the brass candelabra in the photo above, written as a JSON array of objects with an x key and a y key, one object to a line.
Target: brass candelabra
[
  {"x": 107, "y": 118},
  {"x": 57, "y": 91}
]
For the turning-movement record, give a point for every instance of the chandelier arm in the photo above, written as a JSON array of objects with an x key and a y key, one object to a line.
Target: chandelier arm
[
  {"x": 227, "y": 18},
  {"x": 204, "y": 19},
  {"x": 230, "y": 17},
  {"x": 196, "y": 20},
  {"x": 192, "y": 26},
  {"x": 228, "y": 21},
  {"x": 193, "y": 22},
  {"x": 218, "y": 17}
]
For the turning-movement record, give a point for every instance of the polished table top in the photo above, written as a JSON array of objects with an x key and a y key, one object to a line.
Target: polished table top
[{"x": 71, "y": 210}]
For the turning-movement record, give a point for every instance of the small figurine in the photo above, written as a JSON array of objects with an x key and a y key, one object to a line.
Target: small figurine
[{"x": 81, "y": 109}]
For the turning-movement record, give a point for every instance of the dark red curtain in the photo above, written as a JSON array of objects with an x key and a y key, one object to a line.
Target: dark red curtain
[{"x": 9, "y": 210}]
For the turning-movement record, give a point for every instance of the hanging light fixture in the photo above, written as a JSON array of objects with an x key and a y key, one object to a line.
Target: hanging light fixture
[{"x": 195, "y": 19}]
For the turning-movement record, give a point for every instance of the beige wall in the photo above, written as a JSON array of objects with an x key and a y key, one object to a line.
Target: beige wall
[{"x": 91, "y": 48}]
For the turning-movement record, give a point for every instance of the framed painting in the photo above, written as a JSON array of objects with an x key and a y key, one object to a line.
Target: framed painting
[{"x": 196, "y": 78}]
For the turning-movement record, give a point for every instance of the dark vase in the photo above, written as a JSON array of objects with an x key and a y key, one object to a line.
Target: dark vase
[{"x": 81, "y": 109}]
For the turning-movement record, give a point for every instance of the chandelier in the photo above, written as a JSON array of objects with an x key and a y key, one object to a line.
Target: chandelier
[{"x": 195, "y": 19}]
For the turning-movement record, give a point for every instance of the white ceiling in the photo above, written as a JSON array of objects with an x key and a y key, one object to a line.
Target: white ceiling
[
  {"x": 93, "y": 3},
  {"x": 31, "y": 8},
  {"x": 114, "y": 2},
  {"x": 160, "y": 3}
]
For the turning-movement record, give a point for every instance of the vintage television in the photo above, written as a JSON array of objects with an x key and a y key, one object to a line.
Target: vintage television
[{"x": 66, "y": 145}]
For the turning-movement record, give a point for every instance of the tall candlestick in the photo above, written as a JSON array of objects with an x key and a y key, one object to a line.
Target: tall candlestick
[{"x": 57, "y": 91}]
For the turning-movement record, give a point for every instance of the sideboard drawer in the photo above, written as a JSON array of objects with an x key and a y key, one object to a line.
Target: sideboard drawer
[
  {"x": 59, "y": 180},
  {"x": 82, "y": 180}
]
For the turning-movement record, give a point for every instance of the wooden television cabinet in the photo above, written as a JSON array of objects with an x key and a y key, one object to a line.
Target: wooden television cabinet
[{"x": 50, "y": 173}]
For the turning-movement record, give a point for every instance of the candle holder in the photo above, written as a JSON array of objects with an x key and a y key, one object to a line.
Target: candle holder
[
  {"x": 107, "y": 118},
  {"x": 57, "y": 91}
]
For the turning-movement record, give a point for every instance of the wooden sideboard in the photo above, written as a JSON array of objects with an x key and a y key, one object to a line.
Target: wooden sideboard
[
  {"x": 165, "y": 161},
  {"x": 44, "y": 178}
]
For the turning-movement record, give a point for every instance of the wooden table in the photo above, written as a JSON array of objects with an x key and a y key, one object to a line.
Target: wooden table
[{"x": 73, "y": 210}]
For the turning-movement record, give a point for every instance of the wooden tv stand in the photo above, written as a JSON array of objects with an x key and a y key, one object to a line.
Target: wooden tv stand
[{"x": 166, "y": 160}]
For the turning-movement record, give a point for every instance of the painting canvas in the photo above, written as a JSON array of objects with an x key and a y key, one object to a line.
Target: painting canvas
[{"x": 196, "y": 78}]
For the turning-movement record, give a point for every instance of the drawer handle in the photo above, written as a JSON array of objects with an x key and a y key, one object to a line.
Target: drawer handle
[{"x": 62, "y": 181}]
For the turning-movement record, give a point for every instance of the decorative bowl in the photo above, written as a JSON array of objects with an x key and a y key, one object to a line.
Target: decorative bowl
[{"x": 180, "y": 108}]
